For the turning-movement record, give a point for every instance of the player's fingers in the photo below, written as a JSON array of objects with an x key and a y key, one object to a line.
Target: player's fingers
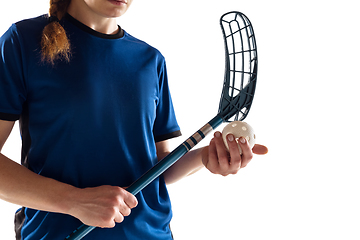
[
  {"x": 119, "y": 217},
  {"x": 210, "y": 161},
  {"x": 235, "y": 156},
  {"x": 130, "y": 200},
  {"x": 222, "y": 154},
  {"x": 247, "y": 153},
  {"x": 124, "y": 209}
]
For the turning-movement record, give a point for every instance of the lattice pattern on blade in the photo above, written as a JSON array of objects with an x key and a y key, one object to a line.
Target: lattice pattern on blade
[{"x": 241, "y": 66}]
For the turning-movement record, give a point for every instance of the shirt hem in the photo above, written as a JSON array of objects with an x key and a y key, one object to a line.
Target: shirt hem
[
  {"x": 9, "y": 116},
  {"x": 168, "y": 136}
]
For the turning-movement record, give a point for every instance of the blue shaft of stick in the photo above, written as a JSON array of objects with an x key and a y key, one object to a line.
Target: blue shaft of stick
[
  {"x": 158, "y": 169},
  {"x": 80, "y": 232}
]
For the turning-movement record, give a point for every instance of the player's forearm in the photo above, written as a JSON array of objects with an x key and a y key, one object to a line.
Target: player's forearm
[
  {"x": 187, "y": 165},
  {"x": 20, "y": 186}
]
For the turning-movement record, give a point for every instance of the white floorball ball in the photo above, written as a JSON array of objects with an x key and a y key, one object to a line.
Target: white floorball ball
[{"x": 239, "y": 129}]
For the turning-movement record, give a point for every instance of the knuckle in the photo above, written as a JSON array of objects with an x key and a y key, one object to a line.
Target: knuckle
[
  {"x": 213, "y": 171},
  {"x": 244, "y": 166},
  {"x": 112, "y": 211},
  {"x": 134, "y": 203},
  {"x": 127, "y": 212},
  {"x": 116, "y": 190},
  {"x": 119, "y": 219},
  {"x": 110, "y": 224},
  {"x": 130, "y": 200},
  {"x": 114, "y": 201},
  {"x": 224, "y": 160},
  {"x": 107, "y": 221},
  {"x": 235, "y": 163},
  {"x": 249, "y": 155},
  {"x": 120, "y": 191}
]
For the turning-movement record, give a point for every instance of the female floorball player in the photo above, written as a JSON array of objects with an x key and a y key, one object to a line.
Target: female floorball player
[{"x": 95, "y": 113}]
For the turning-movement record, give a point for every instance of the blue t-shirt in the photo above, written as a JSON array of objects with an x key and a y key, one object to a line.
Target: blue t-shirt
[{"x": 90, "y": 122}]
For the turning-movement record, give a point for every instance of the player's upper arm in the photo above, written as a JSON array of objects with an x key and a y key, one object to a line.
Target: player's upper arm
[
  {"x": 5, "y": 130},
  {"x": 162, "y": 149}
]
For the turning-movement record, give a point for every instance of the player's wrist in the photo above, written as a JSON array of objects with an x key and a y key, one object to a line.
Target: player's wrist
[{"x": 67, "y": 199}]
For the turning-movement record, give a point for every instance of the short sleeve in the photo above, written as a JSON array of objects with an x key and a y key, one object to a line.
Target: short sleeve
[
  {"x": 165, "y": 126},
  {"x": 12, "y": 83}
]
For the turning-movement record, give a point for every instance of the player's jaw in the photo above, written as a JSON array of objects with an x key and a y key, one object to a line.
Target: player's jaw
[{"x": 118, "y": 7}]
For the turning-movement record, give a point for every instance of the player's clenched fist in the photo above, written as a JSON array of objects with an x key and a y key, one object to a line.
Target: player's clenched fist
[{"x": 101, "y": 206}]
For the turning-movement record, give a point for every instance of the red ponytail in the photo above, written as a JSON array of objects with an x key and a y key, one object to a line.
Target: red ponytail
[{"x": 54, "y": 43}]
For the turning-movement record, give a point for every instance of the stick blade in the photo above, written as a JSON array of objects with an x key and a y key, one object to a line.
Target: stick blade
[{"x": 241, "y": 63}]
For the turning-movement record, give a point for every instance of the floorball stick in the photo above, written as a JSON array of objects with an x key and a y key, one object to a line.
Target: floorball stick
[{"x": 241, "y": 63}]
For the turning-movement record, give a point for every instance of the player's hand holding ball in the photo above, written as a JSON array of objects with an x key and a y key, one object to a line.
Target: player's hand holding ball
[{"x": 232, "y": 149}]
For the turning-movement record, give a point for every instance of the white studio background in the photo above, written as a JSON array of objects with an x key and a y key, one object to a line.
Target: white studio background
[{"x": 307, "y": 186}]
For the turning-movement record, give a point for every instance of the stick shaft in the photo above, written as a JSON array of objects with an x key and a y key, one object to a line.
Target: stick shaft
[
  {"x": 158, "y": 169},
  {"x": 175, "y": 155},
  {"x": 80, "y": 232}
]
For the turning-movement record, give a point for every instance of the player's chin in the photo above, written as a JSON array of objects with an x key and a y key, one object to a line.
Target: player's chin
[{"x": 115, "y": 11}]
